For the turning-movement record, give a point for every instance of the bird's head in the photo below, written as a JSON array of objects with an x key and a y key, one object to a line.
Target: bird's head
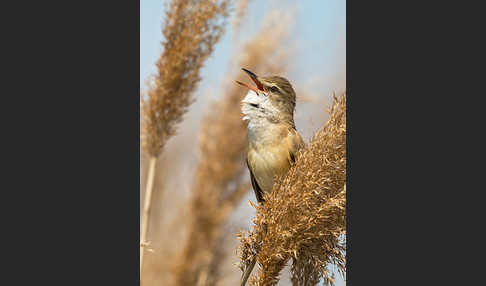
[{"x": 273, "y": 98}]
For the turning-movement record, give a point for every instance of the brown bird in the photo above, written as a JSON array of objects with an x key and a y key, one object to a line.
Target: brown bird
[{"x": 272, "y": 141}]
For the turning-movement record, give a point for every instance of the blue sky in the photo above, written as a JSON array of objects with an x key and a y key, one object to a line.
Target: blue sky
[{"x": 318, "y": 34}]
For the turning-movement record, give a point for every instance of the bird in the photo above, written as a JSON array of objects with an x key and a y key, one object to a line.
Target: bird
[{"x": 273, "y": 142}]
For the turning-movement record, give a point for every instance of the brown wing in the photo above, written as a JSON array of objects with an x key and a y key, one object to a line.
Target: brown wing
[
  {"x": 295, "y": 143},
  {"x": 258, "y": 191}
]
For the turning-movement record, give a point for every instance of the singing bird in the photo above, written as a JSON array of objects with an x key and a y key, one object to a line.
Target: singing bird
[{"x": 272, "y": 141}]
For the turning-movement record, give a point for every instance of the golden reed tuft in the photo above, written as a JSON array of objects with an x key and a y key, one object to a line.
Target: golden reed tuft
[
  {"x": 219, "y": 184},
  {"x": 304, "y": 218},
  {"x": 191, "y": 30}
]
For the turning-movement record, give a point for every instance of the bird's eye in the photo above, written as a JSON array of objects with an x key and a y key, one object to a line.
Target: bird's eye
[{"x": 273, "y": 88}]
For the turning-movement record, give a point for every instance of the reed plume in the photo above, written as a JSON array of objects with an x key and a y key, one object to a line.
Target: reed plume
[
  {"x": 303, "y": 219},
  {"x": 219, "y": 185},
  {"x": 191, "y": 30}
]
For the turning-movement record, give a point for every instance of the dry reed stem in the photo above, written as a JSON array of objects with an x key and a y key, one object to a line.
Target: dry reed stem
[
  {"x": 191, "y": 30},
  {"x": 165, "y": 224},
  {"x": 219, "y": 186},
  {"x": 146, "y": 209},
  {"x": 304, "y": 216}
]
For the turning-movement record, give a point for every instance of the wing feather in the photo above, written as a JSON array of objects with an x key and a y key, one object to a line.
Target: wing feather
[
  {"x": 256, "y": 188},
  {"x": 295, "y": 143}
]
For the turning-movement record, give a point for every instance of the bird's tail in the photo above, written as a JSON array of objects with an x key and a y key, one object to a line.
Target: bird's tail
[{"x": 247, "y": 272}]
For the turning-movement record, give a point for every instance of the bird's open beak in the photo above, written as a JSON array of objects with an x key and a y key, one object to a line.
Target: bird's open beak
[{"x": 254, "y": 77}]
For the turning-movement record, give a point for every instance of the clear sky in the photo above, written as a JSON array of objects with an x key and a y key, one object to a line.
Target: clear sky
[{"x": 318, "y": 36}]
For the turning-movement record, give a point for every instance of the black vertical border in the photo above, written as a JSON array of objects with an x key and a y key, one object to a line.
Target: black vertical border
[{"x": 414, "y": 75}]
